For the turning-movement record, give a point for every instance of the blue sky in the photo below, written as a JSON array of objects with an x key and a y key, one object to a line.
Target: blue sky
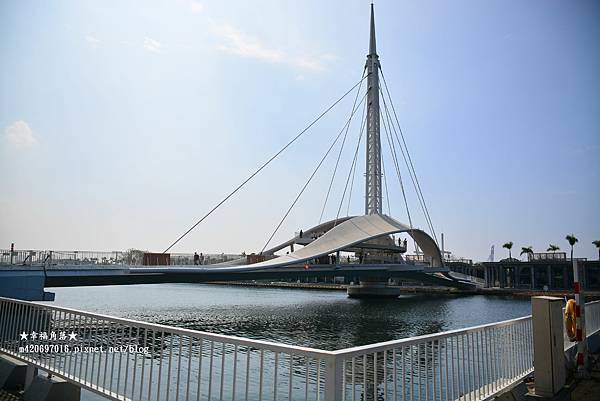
[{"x": 123, "y": 122}]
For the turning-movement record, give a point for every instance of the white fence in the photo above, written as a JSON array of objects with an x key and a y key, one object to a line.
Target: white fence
[
  {"x": 592, "y": 322},
  {"x": 158, "y": 362},
  {"x": 465, "y": 277},
  {"x": 131, "y": 258},
  {"x": 130, "y": 360}
]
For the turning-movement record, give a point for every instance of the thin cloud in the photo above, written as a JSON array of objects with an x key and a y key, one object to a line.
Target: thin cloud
[
  {"x": 196, "y": 7},
  {"x": 92, "y": 41},
  {"x": 152, "y": 45},
  {"x": 237, "y": 43},
  {"x": 20, "y": 134}
]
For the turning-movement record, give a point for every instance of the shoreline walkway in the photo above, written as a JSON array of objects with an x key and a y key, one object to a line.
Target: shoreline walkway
[{"x": 416, "y": 289}]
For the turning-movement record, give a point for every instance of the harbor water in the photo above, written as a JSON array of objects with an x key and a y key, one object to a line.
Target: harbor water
[{"x": 325, "y": 319}]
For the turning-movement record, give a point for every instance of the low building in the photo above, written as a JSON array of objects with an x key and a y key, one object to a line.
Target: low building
[{"x": 542, "y": 271}]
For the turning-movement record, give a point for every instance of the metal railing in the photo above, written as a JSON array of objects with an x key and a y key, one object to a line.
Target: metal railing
[
  {"x": 208, "y": 259},
  {"x": 37, "y": 257},
  {"x": 465, "y": 277},
  {"x": 130, "y": 258},
  {"x": 21, "y": 257},
  {"x": 468, "y": 364},
  {"x": 592, "y": 322},
  {"x": 124, "y": 359}
]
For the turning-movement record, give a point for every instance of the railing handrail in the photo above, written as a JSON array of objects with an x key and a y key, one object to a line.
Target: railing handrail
[
  {"x": 500, "y": 352},
  {"x": 370, "y": 348},
  {"x": 273, "y": 346}
]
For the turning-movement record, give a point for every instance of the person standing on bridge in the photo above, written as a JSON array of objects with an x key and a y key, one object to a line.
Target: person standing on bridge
[
  {"x": 196, "y": 258},
  {"x": 201, "y": 258}
]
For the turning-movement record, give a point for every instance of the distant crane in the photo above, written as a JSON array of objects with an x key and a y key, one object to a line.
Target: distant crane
[{"x": 491, "y": 257}]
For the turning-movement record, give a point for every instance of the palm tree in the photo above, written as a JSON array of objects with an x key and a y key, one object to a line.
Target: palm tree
[
  {"x": 572, "y": 241},
  {"x": 527, "y": 250},
  {"x": 597, "y": 243},
  {"x": 553, "y": 248},
  {"x": 508, "y": 246}
]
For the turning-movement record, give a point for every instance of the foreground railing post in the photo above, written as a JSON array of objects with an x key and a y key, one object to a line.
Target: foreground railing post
[
  {"x": 580, "y": 321},
  {"x": 333, "y": 378},
  {"x": 548, "y": 349}
]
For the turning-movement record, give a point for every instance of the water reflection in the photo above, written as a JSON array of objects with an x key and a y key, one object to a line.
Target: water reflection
[{"x": 321, "y": 319}]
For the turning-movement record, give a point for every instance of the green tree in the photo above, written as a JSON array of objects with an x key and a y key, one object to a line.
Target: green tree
[
  {"x": 527, "y": 250},
  {"x": 553, "y": 248},
  {"x": 597, "y": 243},
  {"x": 572, "y": 239},
  {"x": 508, "y": 246},
  {"x": 133, "y": 256}
]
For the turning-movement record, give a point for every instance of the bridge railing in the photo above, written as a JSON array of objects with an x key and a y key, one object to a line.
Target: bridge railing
[
  {"x": 592, "y": 322},
  {"x": 472, "y": 363},
  {"x": 85, "y": 257},
  {"x": 124, "y": 359},
  {"x": 209, "y": 258},
  {"x": 37, "y": 257},
  {"x": 21, "y": 257},
  {"x": 465, "y": 277},
  {"x": 68, "y": 258}
]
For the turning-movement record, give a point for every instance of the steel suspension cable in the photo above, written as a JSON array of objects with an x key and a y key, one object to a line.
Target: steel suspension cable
[
  {"x": 362, "y": 128},
  {"x": 310, "y": 178},
  {"x": 265, "y": 164},
  {"x": 410, "y": 172},
  {"x": 353, "y": 170},
  {"x": 407, "y": 152},
  {"x": 337, "y": 162},
  {"x": 351, "y": 187},
  {"x": 394, "y": 154},
  {"x": 387, "y": 195},
  {"x": 421, "y": 201}
]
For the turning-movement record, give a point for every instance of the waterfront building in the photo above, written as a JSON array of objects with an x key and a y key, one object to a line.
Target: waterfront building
[{"x": 541, "y": 273}]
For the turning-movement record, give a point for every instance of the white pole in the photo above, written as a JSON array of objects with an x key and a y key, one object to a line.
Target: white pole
[{"x": 580, "y": 321}]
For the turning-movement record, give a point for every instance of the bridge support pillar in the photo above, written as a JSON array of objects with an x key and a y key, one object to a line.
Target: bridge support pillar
[
  {"x": 24, "y": 283},
  {"x": 14, "y": 374},
  {"x": 52, "y": 389},
  {"x": 372, "y": 288}
]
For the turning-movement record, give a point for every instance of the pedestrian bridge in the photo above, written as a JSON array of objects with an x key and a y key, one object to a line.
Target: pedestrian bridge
[{"x": 27, "y": 281}]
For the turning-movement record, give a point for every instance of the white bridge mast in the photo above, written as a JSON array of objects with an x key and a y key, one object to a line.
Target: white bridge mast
[{"x": 373, "y": 200}]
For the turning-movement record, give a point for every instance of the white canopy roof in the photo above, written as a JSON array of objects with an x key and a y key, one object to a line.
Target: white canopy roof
[{"x": 354, "y": 231}]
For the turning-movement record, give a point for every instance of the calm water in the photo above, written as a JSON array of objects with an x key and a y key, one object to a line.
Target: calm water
[{"x": 314, "y": 318}]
